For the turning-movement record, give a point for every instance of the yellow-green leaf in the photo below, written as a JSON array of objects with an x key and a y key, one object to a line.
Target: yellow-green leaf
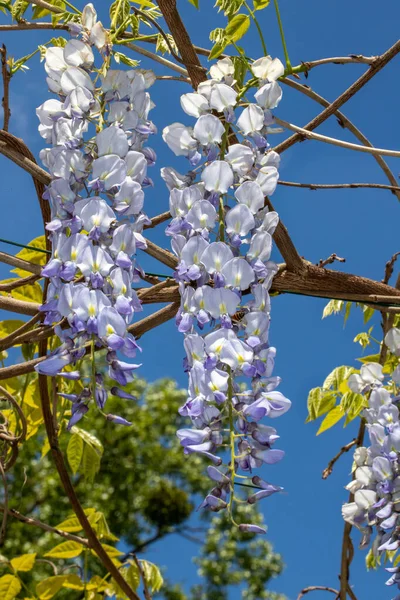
[
  {"x": 331, "y": 419},
  {"x": 49, "y": 587},
  {"x": 9, "y": 326},
  {"x": 89, "y": 439},
  {"x": 195, "y": 3},
  {"x": 336, "y": 377},
  {"x": 73, "y": 582},
  {"x": 10, "y": 587},
  {"x": 90, "y": 462},
  {"x": 24, "y": 562},
  {"x": 218, "y": 49},
  {"x": 71, "y": 524},
  {"x": 75, "y": 452},
  {"x": 152, "y": 575},
  {"x": 237, "y": 27},
  {"x": 68, "y": 549},
  {"x": 332, "y": 308},
  {"x": 34, "y": 256},
  {"x": 260, "y": 4},
  {"x": 319, "y": 402},
  {"x": 111, "y": 551}
]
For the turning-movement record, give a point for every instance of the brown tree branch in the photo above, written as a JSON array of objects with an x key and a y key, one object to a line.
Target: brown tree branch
[
  {"x": 336, "y": 186},
  {"x": 306, "y": 134},
  {"x": 328, "y": 470},
  {"x": 6, "y": 86},
  {"x": 34, "y": 522},
  {"x": 345, "y": 123},
  {"x": 19, "y": 263},
  {"x": 18, "y": 306},
  {"x": 24, "y": 25},
  {"x": 389, "y": 267},
  {"x": 9, "y": 340},
  {"x": 8, "y": 287},
  {"x": 317, "y": 588},
  {"x": 376, "y": 66}
]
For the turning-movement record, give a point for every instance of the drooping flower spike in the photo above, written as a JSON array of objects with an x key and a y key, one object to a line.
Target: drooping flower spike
[
  {"x": 376, "y": 477},
  {"x": 98, "y": 161},
  {"x": 221, "y": 233}
]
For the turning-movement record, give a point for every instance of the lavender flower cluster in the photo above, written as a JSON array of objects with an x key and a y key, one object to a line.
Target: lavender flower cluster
[
  {"x": 376, "y": 482},
  {"x": 96, "y": 198},
  {"x": 222, "y": 234}
]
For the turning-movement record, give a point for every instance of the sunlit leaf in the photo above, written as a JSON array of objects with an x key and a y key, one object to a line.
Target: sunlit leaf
[
  {"x": 260, "y": 4},
  {"x": 332, "y": 308},
  {"x": 75, "y": 452},
  {"x": 336, "y": 377},
  {"x": 152, "y": 575},
  {"x": 10, "y": 587},
  {"x": 90, "y": 462},
  {"x": 67, "y": 549},
  {"x": 9, "y": 326},
  {"x": 49, "y": 587},
  {"x": 237, "y": 27},
  {"x": 331, "y": 419},
  {"x": 24, "y": 562},
  {"x": 71, "y": 524},
  {"x": 319, "y": 402}
]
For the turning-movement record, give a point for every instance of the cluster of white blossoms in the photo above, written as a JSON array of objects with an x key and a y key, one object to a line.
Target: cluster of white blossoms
[
  {"x": 376, "y": 482},
  {"x": 222, "y": 235},
  {"x": 97, "y": 128}
]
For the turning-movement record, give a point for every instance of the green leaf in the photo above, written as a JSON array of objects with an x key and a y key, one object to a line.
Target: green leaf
[
  {"x": 369, "y": 358},
  {"x": 338, "y": 376},
  {"x": 111, "y": 551},
  {"x": 10, "y": 587},
  {"x": 75, "y": 452},
  {"x": 132, "y": 575},
  {"x": 38, "y": 258},
  {"x": 124, "y": 9},
  {"x": 332, "y": 308},
  {"x": 73, "y": 582},
  {"x": 162, "y": 46},
  {"x": 9, "y": 326},
  {"x": 39, "y": 12},
  {"x": 347, "y": 311},
  {"x": 352, "y": 403},
  {"x": 217, "y": 35},
  {"x": 67, "y": 549},
  {"x": 363, "y": 339},
  {"x": 89, "y": 439},
  {"x": 260, "y": 4},
  {"x": 49, "y": 587},
  {"x": 331, "y": 419},
  {"x": 90, "y": 463},
  {"x": 368, "y": 313},
  {"x": 217, "y": 49},
  {"x": 152, "y": 575},
  {"x": 195, "y": 3},
  {"x": 372, "y": 561},
  {"x": 18, "y": 9},
  {"x": 71, "y": 523},
  {"x": 240, "y": 66},
  {"x": 24, "y": 562},
  {"x": 319, "y": 402},
  {"x": 237, "y": 27},
  {"x": 230, "y": 7}
]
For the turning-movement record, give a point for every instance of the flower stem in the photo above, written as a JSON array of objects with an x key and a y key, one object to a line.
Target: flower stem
[
  {"x": 260, "y": 33},
  {"x": 285, "y": 51},
  {"x": 232, "y": 445}
]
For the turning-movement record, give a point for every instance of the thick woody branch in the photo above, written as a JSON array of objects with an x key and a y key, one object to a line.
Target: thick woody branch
[
  {"x": 164, "y": 256},
  {"x": 375, "y": 67},
  {"x": 18, "y": 306}
]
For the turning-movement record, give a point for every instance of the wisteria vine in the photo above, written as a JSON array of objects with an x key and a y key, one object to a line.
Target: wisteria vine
[
  {"x": 96, "y": 198},
  {"x": 376, "y": 481},
  {"x": 222, "y": 234}
]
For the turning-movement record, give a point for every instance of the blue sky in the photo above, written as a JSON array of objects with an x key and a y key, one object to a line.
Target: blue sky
[{"x": 304, "y": 524}]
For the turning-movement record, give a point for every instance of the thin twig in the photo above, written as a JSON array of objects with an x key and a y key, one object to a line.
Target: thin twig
[
  {"x": 8, "y": 287},
  {"x": 326, "y": 472},
  {"x": 44, "y": 4},
  {"x": 336, "y": 186},
  {"x": 389, "y": 268},
  {"x": 19, "y": 263},
  {"x": 317, "y": 588},
  {"x": 305, "y": 67},
  {"x": 344, "y": 122},
  {"x": 376, "y": 66},
  {"x": 5, "y": 494},
  {"x": 30, "y": 521},
  {"x": 160, "y": 59},
  {"x": 330, "y": 260},
  {"x": 6, "y": 86},
  {"x": 23, "y": 26},
  {"x": 146, "y": 590},
  {"x": 8, "y": 341},
  {"x": 335, "y": 142},
  {"x": 159, "y": 219}
]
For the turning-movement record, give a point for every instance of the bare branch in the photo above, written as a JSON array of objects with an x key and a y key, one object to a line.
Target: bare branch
[
  {"x": 330, "y": 260},
  {"x": 19, "y": 306},
  {"x": 317, "y": 588},
  {"x": 160, "y": 59},
  {"x": 336, "y": 60},
  {"x": 164, "y": 256},
  {"x": 326, "y": 472},
  {"x": 345, "y": 123},
  {"x": 19, "y": 263},
  {"x": 6, "y": 85},
  {"x": 389, "y": 268},
  {"x": 336, "y": 186},
  {"x": 335, "y": 142},
  {"x": 158, "y": 219},
  {"x": 24, "y": 25},
  {"x": 9, "y": 340},
  {"x": 375, "y": 67},
  {"x": 45, "y": 527},
  {"x": 8, "y": 287}
]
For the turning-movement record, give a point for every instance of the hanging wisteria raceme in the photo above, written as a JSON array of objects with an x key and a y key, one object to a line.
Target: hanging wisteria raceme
[
  {"x": 376, "y": 482},
  {"x": 97, "y": 128},
  {"x": 222, "y": 234}
]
